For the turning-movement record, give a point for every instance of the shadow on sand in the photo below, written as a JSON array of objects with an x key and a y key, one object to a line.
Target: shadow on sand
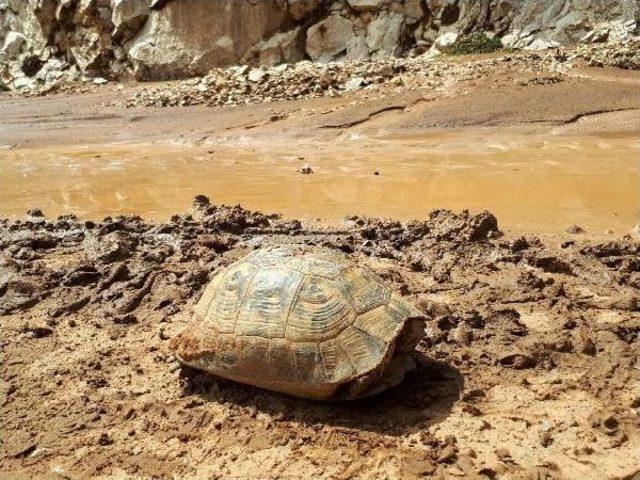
[{"x": 425, "y": 398}]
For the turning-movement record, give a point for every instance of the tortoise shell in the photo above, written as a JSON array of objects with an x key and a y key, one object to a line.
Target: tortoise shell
[{"x": 307, "y": 324}]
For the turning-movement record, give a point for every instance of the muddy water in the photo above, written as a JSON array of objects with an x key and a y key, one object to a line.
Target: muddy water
[{"x": 531, "y": 182}]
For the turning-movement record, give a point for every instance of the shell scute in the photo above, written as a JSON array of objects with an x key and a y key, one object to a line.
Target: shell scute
[
  {"x": 307, "y": 361},
  {"x": 380, "y": 322},
  {"x": 280, "y": 360},
  {"x": 229, "y": 296},
  {"x": 320, "y": 311},
  {"x": 335, "y": 361},
  {"x": 367, "y": 290},
  {"x": 208, "y": 297},
  {"x": 322, "y": 267},
  {"x": 363, "y": 349},
  {"x": 253, "y": 355},
  {"x": 402, "y": 308},
  {"x": 268, "y": 301}
]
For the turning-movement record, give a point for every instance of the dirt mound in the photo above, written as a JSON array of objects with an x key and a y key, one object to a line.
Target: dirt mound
[{"x": 528, "y": 369}]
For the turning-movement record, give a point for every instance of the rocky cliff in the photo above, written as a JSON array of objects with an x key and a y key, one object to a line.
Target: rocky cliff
[{"x": 44, "y": 40}]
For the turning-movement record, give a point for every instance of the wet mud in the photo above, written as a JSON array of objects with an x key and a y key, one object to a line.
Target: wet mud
[
  {"x": 534, "y": 181},
  {"x": 528, "y": 367}
]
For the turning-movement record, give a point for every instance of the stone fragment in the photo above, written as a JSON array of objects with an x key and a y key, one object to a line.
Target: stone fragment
[
  {"x": 13, "y": 43},
  {"x": 366, "y": 5}
]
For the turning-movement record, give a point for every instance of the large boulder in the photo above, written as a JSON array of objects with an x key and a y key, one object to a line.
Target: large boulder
[
  {"x": 331, "y": 39},
  {"x": 189, "y": 37},
  {"x": 538, "y": 25},
  {"x": 128, "y": 17},
  {"x": 287, "y": 47},
  {"x": 384, "y": 34}
]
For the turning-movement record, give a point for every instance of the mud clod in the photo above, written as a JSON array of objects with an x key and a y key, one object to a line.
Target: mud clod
[
  {"x": 72, "y": 306},
  {"x": 35, "y": 212},
  {"x": 38, "y": 331},
  {"x": 518, "y": 331},
  {"x": 518, "y": 361}
]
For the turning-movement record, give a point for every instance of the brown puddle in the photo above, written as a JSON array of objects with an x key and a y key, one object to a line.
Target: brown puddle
[{"x": 539, "y": 183}]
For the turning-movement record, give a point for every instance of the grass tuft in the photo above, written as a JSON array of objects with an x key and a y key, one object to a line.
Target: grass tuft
[{"x": 477, "y": 42}]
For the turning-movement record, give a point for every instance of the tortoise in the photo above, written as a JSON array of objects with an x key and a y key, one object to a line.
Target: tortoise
[{"x": 309, "y": 324}]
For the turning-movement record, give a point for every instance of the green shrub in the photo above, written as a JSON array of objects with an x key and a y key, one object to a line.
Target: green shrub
[{"x": 477, "y": 42}]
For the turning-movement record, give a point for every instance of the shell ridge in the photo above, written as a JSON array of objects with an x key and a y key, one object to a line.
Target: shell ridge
[
  {"x": 368, "y": 334},
  {"x": 322, "y": 362},
  {"x": 348, "y": 357},
  {"x": 244, "y": 299},
  {"x": 294, "y": 300},
  {"x": 221, "y": 275}
]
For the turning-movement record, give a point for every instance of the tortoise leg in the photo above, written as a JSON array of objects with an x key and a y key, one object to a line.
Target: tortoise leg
[
  {"x": 394, "y": 374},
  {"x": 372, "y": 384},
  {"x": 411, "y": 335}
]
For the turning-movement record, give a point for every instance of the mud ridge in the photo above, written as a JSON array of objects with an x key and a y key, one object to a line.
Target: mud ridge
[{"x": 528, "y": 367}]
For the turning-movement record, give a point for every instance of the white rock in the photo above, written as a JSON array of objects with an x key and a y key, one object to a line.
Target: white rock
[
  {"x": 13, "y": 43},
  {"x": 540, "y": 44},
  {"x": 239, "y": 70},
  {"x": 58, "y": 470},
  {"x": 256, "y": 75},
  {"x": 24, "y": 83},
  {"x": 366, "y": 5},
  {"x": 280, "y": 69},
  {"x": 509, "y": 40},
  {"x": 446, "y": 39},
  {"x": 354, "y": 83},
  {"x": 433, "y": 52},
  {"x": 51, "y": 71}
]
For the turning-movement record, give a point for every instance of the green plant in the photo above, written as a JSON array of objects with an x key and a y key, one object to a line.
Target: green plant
[{"x": 477, "y": 42}]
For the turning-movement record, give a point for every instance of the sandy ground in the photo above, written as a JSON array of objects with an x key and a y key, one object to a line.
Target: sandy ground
[
  {"x": 587, "y": 99},
  {"x": 529, "y": 367}
]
